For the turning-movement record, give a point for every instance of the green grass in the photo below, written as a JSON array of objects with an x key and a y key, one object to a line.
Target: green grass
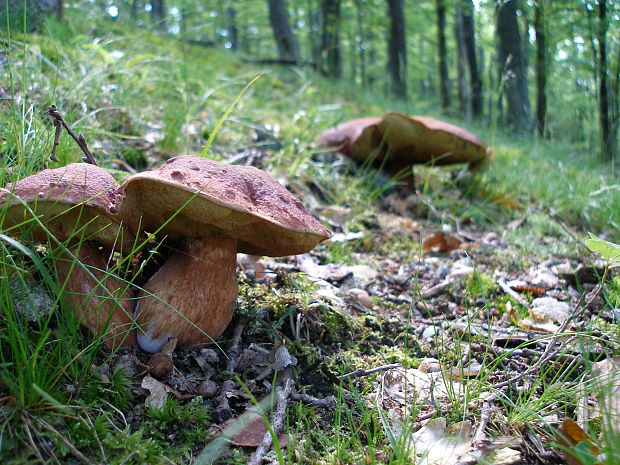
[{"x": 124, "y": 84}]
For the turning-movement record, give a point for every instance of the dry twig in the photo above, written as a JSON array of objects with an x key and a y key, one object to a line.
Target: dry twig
[
  {"x": 58, "y": 122},
  {"x": 279, "y": 415},
  {"x": 362, "y": 372}
]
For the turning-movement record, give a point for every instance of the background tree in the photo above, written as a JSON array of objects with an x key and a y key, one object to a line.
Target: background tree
[
  {"x": 540, "y": 25},
  {"x": 512, "y": 64},
  {"x": 397, "y": 48},
  {"x": 469, "y": 38},
  {"x": 288, "y": 50},
  {"x": 461, "y": 73},
  {"x": 330, "y": 38},
  {"x": 158, "y": 12},
  {"x": 12, "y": 13},
  {"x": 444, "y": 82}
]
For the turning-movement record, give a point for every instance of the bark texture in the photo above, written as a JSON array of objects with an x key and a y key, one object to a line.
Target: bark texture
[
  {"x": 513, "y": 67},
  {"x": 397, "y": 48},
  {"x": 288, "y": 49}
]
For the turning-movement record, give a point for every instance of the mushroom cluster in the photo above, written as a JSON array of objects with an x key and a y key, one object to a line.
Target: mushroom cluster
[{"x": 208, "y": 210}]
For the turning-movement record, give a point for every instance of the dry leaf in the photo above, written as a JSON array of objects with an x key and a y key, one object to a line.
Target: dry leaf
[
  {"x": 253, "y": 432},
  {"x": 576, "y": 441}
]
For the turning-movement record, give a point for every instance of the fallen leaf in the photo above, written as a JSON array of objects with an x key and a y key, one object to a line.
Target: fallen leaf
[
  {"x": 251, "y": 435},
  {"x": 158, "y": 392},
  {"x": 577, "y": 446}
]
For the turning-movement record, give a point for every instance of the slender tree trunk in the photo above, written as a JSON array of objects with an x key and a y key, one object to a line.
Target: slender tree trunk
[
  {"x": 469, "y": 34},
  {"x": 397, "y": 49},
  {"x": 540, "y": 25},
  {"x": 288, "y": 50},
  {"x": 330, "y": 38},
  {"x": 233, "y": 32},
  {"x": 158, "y": 13},
  {"x": 314, "y": 25},
  {"x": 607, "y": 144},
  {"x": 361, "y": 45},
  {"x": 136, "y": 5},
  {"x": 463, "y": 92},
  {"x": 512, "y": 64},
  {"x": 444, "y": 82}
]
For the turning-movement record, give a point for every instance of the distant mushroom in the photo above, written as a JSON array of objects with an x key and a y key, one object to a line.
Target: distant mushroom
[
  {"x": 77, "y": 204},
  {"x": 343, "y": 135},
  {"x": 214, "y": 210},
  {"x": 406, "y": 140}
]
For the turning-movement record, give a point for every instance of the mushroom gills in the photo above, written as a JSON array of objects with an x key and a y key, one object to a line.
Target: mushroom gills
[{"x": 195, "y": 309}]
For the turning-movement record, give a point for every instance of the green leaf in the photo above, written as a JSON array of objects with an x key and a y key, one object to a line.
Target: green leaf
[{"x": 608, "y": 250}]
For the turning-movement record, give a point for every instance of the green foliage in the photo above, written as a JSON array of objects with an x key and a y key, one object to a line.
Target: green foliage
[{"x": 607, "y": 250}]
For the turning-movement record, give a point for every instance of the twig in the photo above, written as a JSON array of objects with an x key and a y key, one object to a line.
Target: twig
[
  {"x": 436, "y": 289},
  {"x": 279, "y": 415},
  {"x": 222, "y": 412},
  {"x": 508, "y": 290},
  {"x": 327, "y": 403},
  {"x": 362, "y": 372},
  {"x": 58, "y": 121},
  {"x": 480, "y": 443},
  {"x": 233, "y": 350}
]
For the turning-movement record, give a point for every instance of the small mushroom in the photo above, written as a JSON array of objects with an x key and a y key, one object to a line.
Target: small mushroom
[
  {"x": 77, "y": 204},
  {"x": 213, "y": 210}
]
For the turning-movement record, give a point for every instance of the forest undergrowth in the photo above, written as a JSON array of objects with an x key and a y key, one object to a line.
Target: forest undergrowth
[{"x": 461, "y": 321}]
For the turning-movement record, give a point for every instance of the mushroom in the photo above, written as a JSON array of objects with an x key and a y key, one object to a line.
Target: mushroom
[
  {"x": 406, "y": 140},
  {"x": 343, "y": 135},
  {"x": 77, "y": 204},
  {"x": 213, "y": 210}
]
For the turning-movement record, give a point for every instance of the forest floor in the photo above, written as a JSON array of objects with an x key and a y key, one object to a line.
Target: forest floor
[{"x": 461, "y": 321}]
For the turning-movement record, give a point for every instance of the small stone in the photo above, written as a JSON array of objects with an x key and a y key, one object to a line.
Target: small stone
[
  {"x": 362, "y": 297},
  {"x": 207, "y": 389},
  {"x": 210, "y": 356},
  {"x": 160, "y": 365}
]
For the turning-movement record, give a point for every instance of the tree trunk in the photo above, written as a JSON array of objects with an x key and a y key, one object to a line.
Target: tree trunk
[
  {"x": 136, "y": 5},
  {"x": 513, "y": 66},
  {"x": 233, "y": 32},
  {"x": 607, "y": 144},
  {"x": 397, "y": 49},
  {"x": 158, "y": 13},
  {"x": 444, "y": 82},
  {"x": 361, "y": 44},
  {"x": 461, "y": 63},
  {"x": 469, "y": 35},
  {"x": 540, "y": 24},
  {"x": 285, "y": 40},
  {"x": 331, "y": 63},
  {"x": 35, "y": 12}
]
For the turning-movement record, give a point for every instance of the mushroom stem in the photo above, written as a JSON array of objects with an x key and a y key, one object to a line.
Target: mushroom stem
[
  {"x": 191, "y": 297},
  {"x": 90, "y": 298}
]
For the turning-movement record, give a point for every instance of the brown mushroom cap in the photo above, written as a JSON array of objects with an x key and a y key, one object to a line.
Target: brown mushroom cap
[
  {"x": 78, "y": 200},
  {"x": 346, "y": 133},
  {"x": 406, "y": 140},
  {"x": 221, "y": 200}
]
